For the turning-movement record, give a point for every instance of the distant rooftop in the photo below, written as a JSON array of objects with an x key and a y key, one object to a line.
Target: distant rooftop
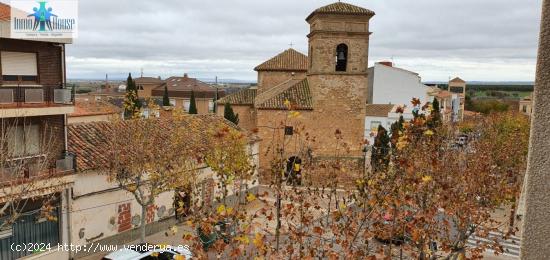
[
  {"x": 183, "y": 86},
  {"x": 149, "y": 80},
  {"x": 88, "y": 107},
  {"x": 289, "y": 60},
  {"x": 379, "y": 110},
  {"x": 4, "y": 12},
  {"x": 243, "y": 97},
  {"x": 457, "y": 80},
  {"x": 341, "y": 8}
]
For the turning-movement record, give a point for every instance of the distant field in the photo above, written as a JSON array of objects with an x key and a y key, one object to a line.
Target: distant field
[
  {"x": 497, "y": 91},
  {"x": 498, "y": 94}
]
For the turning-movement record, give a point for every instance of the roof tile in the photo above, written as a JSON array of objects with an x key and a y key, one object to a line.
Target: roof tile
[
  {"x": 458, "y": 80},
  {"x": 182, "y": 86},
  {"x": 5, "y": 12},
  {"x": 294, "y": 90},
  {"x": 89, "y": 141},
  {"x": 86, "y": 107},
  {"x": 379, "y": 110},
  {"x": 243, "y": 97},
  {"x": 289, "y": 60},
  {"x": 341, "y": 8}
]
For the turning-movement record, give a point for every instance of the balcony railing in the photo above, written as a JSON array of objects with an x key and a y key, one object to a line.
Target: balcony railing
[
  {"x": 35, "y": 167},
  {"x": 21, "y": 96}
]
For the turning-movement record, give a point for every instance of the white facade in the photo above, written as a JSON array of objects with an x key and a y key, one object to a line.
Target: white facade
[
  {"x": 372, "y": 122},
  {"x": 95, "y": 202},
  {"x": 371, "y": 126},
  {"x": 390, "y": 85}
]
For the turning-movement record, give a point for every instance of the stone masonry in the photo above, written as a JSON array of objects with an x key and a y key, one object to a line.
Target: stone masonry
[{"x": 535, "y": 242}]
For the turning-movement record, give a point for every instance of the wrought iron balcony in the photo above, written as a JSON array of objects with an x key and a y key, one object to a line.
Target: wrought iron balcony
[{"x": 12, "y": 96}]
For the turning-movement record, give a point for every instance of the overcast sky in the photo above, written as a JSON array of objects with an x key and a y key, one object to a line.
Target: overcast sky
[{"x": 487, "y": 40}]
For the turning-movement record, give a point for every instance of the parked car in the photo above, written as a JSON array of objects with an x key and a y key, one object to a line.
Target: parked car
[{"x": 149, "y": 252}]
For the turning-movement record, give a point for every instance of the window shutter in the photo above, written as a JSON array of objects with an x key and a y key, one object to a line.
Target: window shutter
[
  {"x": 32, "y": 139},
  {"x": 19, "y": 63}
]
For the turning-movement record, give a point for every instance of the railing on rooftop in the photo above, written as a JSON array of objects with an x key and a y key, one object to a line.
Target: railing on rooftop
[
  {"x": 39, "y": 95},
  {"x": 27, "y": 168}
]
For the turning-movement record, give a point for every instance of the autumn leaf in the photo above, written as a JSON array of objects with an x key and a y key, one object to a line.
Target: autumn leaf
[
  {"x": 318, "y": 230},
  {"x": 243, "y": 239},
  {"x": 342, "y": 206},
  {"x": 258, "y": 240},
  {"x": 221, "y": 209},
  {"x": 427, "y": 178},
  {"x": 250, "y": 197},
  {"x": 294, "y": 114}
]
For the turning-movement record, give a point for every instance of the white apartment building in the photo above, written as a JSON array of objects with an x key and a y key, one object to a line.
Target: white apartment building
[{"x": 391, "y": 85}]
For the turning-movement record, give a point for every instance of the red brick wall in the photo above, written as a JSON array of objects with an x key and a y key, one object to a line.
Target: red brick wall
[
  {"x": 54, "y": 129},
  {"x": 49, "y": 58},
  {"x": 151, "y": 209},
  {"x": 51, "y": 128},
  {"x": 124, "y": 217}
]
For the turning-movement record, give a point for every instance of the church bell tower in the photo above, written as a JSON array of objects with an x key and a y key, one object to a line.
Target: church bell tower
[{"x": 338, "y": 70}]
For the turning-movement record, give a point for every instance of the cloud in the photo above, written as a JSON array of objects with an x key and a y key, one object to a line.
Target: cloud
[{"x": 478, "y": 40}]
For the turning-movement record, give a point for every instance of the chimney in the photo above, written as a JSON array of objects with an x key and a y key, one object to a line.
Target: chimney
[{"x": 387, "y": 63}]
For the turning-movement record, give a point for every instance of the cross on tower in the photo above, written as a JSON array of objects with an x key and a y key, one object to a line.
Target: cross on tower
[{"x": 291, "y": 44}]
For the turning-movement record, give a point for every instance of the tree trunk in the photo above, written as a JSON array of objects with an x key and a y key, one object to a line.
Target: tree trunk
[{"x": 143, "y": 223}]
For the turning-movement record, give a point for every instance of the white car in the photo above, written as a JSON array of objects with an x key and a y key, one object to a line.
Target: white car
[{"x": 148, "y": 252}]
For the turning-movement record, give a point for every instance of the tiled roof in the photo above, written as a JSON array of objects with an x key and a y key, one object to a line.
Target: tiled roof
[
  {"x": 112, "y": 91},
  {"x": 289, "y": 60},
  {"x": 88, "y": 141},
  {"x": 294, "y": 90},
  {"x": 379, "y": 110},
  {"x": 458, "y": 80},
  {"x": 342, "y": 8},
  {"x": 4, "y": 12},
  {"x": 149, "y": 80},
  {"x": 443, "y": 94},
  {"x": 87, "y": 107},
  {"x": 182, "y": 86},
  {"x": 243, "y": 97}
]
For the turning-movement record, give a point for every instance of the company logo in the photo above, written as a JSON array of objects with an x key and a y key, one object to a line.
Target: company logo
[{"x": 44, "y": 19}]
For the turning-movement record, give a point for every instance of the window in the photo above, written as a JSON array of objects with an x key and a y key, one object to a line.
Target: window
[
  {"x": 172, "y": 102},
  {"x": 341, "y": 57},
  {"x": 24, "y": 140},
  {"x": 19, "y": 66},
  {"x": 310, "y": 57},
  {"x": 524, "y": 109},
  {"x": 186, "y": 105},
  {"x": 211, "y": 106},
  {"x": 374, "y": 126}
]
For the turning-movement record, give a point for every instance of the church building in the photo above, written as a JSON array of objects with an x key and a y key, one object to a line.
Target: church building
[{"x": 314, "y": 105}]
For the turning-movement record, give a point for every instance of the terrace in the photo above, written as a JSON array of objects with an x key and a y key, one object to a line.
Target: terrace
[
  {"x": 36, "y": 167},
  {"x": 33, "y": 100}
]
